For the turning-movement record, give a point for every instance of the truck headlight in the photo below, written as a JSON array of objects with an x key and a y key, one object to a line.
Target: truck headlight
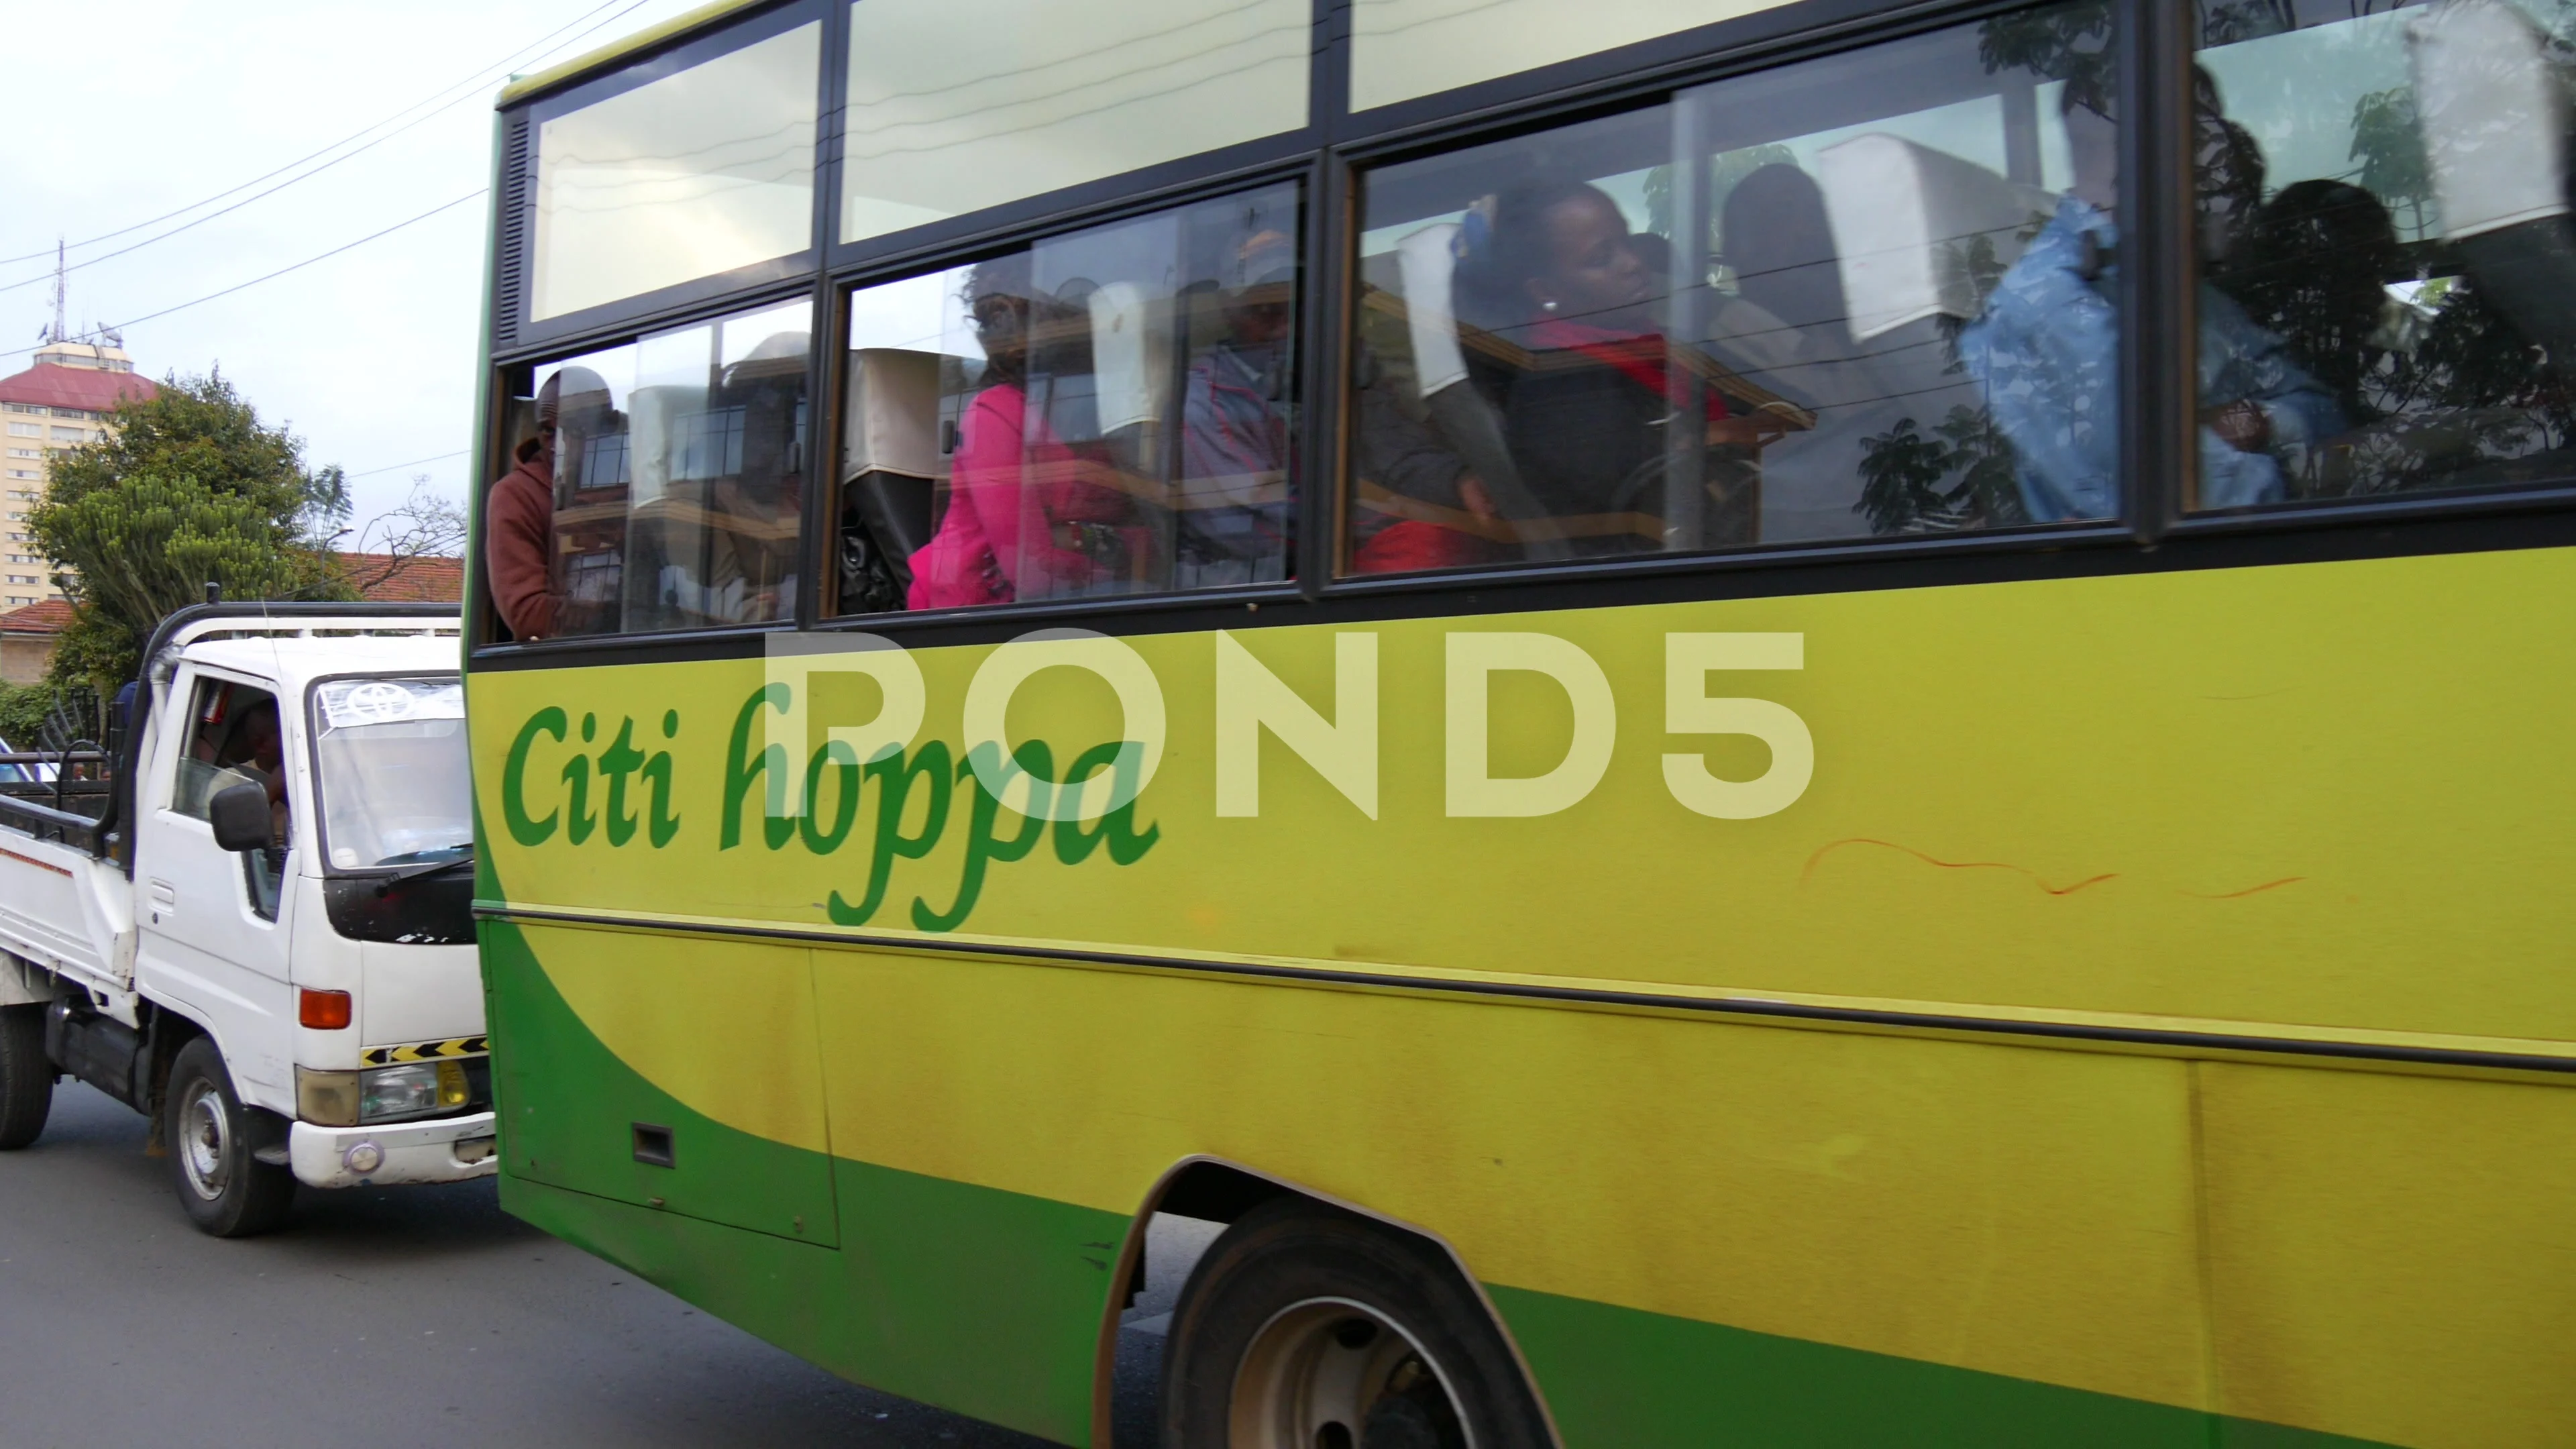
[
  {"x": 326, "y": 1098},
  {"x": 414, "y": 1089}
]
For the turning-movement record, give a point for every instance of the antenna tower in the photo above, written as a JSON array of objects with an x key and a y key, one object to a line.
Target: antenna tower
[{"x": 61, "y": 329}]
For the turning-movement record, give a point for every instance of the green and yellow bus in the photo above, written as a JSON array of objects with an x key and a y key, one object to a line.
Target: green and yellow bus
[{"x": 1656, "y": 722}]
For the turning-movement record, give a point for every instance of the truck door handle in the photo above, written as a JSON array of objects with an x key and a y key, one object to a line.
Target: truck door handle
[{"x": 165, "y": 896}]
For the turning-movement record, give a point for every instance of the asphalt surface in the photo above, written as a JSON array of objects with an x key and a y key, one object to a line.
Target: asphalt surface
[{"x": 412, "y": 1315}]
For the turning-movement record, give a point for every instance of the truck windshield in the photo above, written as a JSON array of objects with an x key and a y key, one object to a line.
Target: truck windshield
[{"x": 394, "y": 787}]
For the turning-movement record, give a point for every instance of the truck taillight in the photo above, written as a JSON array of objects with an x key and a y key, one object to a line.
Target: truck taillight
[{"x": 322, "y": 1010}]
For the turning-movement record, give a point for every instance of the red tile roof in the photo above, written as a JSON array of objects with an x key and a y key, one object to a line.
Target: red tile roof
[
  {"x": 55, "y": 386},
  {"x": 383, "y": 578},
  {"x": 50, "y": 617}
]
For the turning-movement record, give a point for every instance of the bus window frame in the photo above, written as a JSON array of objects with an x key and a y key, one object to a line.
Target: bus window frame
[
  {"x": 480, "y": 618},
  {"x": 683, "y": 52},
  {"x": 2156, "y": 388}
]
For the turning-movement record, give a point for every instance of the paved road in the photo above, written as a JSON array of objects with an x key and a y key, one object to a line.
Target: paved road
[{"x": 410, "y": 1315}]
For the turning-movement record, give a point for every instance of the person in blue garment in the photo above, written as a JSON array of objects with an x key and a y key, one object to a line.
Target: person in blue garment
[{"x": 2046, "y": 348}]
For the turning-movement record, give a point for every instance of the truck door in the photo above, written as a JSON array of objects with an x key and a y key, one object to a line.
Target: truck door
[{"x": 210, "y": 935}]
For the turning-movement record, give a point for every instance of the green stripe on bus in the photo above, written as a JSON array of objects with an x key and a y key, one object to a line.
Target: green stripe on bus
[{"x": 1624, "y": 1377}]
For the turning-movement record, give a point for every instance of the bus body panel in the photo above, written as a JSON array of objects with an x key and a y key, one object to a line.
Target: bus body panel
[{"x": 2088, "y": 874}]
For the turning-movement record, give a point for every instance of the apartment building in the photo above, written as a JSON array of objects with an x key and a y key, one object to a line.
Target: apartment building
[{"x": 59, "y": 403}]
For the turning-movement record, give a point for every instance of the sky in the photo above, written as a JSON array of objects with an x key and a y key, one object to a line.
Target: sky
[{"x": 119, "y": 114}]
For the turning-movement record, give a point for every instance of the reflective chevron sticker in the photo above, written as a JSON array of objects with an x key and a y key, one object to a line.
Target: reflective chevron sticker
[{"x": 427, "y": 1051}]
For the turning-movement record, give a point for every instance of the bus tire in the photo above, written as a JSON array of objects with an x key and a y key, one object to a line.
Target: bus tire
[
  {"x": 26, "y": 1076},
  {"x": 1304, "y": 1327},
  {"x": 226, "y": 1190}
]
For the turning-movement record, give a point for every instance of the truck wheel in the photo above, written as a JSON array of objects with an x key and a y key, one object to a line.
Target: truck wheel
[
  {"x": 211, "y": 1137},
  {"x": 26, "y": 1077},
  {"x": 1305, "y": 1328}
]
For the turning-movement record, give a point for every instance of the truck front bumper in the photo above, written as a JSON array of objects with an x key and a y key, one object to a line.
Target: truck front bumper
[{"x": 450, "y": 1149}]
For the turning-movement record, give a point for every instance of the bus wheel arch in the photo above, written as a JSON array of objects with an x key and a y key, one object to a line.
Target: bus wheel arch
[{"x": 1293, "y": 1218}]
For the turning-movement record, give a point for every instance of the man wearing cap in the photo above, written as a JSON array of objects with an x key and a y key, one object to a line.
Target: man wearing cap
[{"x": 519, "y": 519}]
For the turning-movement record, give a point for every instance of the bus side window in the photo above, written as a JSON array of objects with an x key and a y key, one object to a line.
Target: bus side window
[
  {"x": 664, "y": 487},
  {"x": 2384, "y": 222},
  {"x": 1106, "y": 412},
  {"x": 1790, "y": 307}
]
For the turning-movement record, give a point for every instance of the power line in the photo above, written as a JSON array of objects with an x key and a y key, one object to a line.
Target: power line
[
  {"x": 476, "y": 78},
  {"x": 282, "y": 271},
  {"x": 414, "y": 463}
]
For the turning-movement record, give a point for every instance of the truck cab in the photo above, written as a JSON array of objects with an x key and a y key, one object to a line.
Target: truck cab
[{"x": 266, "y": 941}]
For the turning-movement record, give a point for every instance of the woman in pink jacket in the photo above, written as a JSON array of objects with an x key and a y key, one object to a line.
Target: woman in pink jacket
[{"x": 1021, "y": 502}]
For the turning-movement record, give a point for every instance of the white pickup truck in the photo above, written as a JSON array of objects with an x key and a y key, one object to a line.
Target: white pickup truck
[{"x": 250, "y": 916}]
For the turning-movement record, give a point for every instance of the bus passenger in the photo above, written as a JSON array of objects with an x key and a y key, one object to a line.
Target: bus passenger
[
  {"x": 1022, "y": 503},
  {"x": 1586, "y": 419},
  {"x": 1786, "y": 327},
  {"x": 2047, "y": 348},
  {"x": 519, "y": 543},
  {"x": 2314, "y": 267},
  {"x": 1235, "y": 506},
  {"x": 1396, "y": 448}
]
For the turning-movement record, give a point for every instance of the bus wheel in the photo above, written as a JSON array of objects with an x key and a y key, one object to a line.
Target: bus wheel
[
  {"x": 26, "y": 1077},
  {"x": 1305, "y": 1328},
  {"x": 227, "y": 1191}
]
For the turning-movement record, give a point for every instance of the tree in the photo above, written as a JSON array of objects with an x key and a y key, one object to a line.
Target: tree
[
  {"x": 426, "y": 525},
  {"x": 188, "y": 487},
  {"x": 2388, "y": 141},
  {"x": 1961, "y": 477}
]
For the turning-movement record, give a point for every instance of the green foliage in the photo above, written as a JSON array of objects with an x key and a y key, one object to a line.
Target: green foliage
[
  {"x": 1958, "y": 477},
  {"x": 2389, "y": 144},
  {"x": 2071, "y": 43},
  {"x": 23, "y": 708},
  {"x": 187, "y": 488}
]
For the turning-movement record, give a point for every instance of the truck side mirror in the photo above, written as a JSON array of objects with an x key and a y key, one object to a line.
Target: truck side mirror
[{"x": 240, "y": 816}]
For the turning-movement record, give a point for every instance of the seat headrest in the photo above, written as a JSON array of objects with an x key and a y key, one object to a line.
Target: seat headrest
[{"x": 1427, "y": 263}]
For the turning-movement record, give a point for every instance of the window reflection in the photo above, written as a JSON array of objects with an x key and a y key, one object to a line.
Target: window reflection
[
  {"x": 1103, "y": 413},
  {"x": 1843, "y": 298},
  {"x": 1401, "y": 49},
  {"x": 663, "y": 487},
  {"x": 688, "y": 176},
  {"x": 956, "y": 105},
  {"x": 2384, "y": 215}
]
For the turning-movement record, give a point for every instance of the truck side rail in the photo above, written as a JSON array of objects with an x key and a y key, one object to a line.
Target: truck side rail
[
  {"x": 65, "y": 809},
  {"x": 62, "y": 827}
]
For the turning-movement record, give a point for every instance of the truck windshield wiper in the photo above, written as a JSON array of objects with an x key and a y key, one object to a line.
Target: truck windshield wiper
[{"x": 415, "y": 872}]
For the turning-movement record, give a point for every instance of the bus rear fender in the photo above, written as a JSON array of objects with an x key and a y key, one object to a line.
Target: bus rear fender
[{"x": 1216, "y": 1190}]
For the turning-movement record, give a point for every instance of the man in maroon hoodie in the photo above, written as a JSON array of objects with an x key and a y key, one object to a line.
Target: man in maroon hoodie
[{"x": 520, "y": 515}]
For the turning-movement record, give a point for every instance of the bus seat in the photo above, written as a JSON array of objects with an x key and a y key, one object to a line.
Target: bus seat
[
  {"x": 891, "y": 461},
  {"x": 1908, "y": 222},
  {"x": 1427, "y": 265},
  {"x": 2494, "y": 114},
  {"x": 1130, "y": 354}
]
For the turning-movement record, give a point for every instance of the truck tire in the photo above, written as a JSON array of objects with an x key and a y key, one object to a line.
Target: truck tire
[
  {"x": 1307, "y": 1328},
  {"x": 212, "y": 1137},
  {"x": 26, "y": 1077}
]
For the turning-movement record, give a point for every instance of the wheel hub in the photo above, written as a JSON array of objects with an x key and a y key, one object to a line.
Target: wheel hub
[
  {"x": 205, "y": 1134},
  {"x": 1330, "y": 1373}
]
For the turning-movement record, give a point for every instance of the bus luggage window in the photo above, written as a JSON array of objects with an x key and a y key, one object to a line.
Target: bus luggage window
[
  {"x": 1858, "y": 296},
  {"x": 673, "y": 469},
  {"x": 2387, "y": 256},
  {"x": 1107, "y": 412},
  {"x": 695, "y": 173},
  {"x": 957, "y": 105}
]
